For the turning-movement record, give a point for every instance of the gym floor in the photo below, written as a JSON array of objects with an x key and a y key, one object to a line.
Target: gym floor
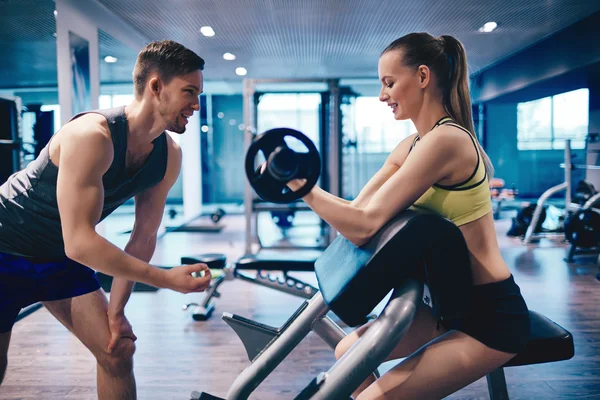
[{"x": 176, "y": 355}]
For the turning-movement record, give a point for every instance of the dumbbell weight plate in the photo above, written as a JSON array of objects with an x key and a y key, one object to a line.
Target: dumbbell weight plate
[{"x": 271, "y": 185}]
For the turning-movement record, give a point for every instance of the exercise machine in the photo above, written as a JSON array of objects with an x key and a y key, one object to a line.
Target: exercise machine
[
  {"x": 329, "y": 158},
  {"x": 286, "y": 257},
  {"x": 500, "y": 194},
  {"x": 592, "y": 168},
  {"x": 412, "y": 250},
  {"x": 581, "y": 219},
  {"x": 10, "y": 138},
  {"x": 283, "y": 164}
]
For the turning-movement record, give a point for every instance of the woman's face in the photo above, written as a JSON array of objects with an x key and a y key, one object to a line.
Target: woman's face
[{"x": 401, "y": 86}]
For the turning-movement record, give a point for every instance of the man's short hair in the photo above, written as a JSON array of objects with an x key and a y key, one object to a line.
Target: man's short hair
[{"x": 166, "y": 57}]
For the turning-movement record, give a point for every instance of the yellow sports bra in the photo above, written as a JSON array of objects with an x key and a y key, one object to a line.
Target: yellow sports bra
[{"x": 461, "y": 203}]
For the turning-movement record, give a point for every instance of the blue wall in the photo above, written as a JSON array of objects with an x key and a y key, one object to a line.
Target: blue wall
[
  {"x": 566, "y": 61},
  {"x": 532, "y": 172}
]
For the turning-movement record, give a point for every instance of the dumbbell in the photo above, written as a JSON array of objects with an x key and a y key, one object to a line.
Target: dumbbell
[{"x": 283, "y": 165}]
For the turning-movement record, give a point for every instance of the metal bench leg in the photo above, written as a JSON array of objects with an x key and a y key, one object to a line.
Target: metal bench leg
[
  {"x": 371, "y": 349},
  {"x": 278, "y": 349},
  {"x": 497, "y": 385}
]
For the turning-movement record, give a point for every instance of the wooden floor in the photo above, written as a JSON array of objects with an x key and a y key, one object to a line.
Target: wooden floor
[{"x": 176, "y": 355}]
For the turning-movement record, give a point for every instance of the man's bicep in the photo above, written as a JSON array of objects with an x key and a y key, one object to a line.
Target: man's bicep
[{"x": 79, "y": 190}]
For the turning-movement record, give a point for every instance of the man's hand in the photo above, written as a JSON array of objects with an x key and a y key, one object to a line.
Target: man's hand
[
  {"x": 120, "y": 328},
  {"x": 188, "y": 278}
]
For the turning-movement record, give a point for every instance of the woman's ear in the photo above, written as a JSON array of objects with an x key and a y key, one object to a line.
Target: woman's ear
[{"x": 424, "y": 75}]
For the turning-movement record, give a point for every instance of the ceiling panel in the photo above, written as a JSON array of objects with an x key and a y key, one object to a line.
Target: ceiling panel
[
  {"x": 280, "y": 38},
  {"x": 122, "y": 70},
  {"x": 28, "y": 56},
  {"x": 343, "y": 38}
]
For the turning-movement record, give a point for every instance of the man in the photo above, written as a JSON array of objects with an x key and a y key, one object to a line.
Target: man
[{"x": 48, "y": 212}]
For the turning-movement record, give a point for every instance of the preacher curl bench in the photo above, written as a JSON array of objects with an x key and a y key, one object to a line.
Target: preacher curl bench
[
  {"x": 265, "y": 264},
  {"x": 412, "y": 250}
]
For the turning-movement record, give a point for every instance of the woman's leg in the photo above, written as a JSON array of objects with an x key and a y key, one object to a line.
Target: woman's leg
[
  {"x": 423, "y": 329},
  {"x": 444, "y": 366}
]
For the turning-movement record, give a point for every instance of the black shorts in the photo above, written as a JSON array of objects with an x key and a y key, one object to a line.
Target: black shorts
[
  {"x": 24, "y": 282},
  {"x": 500, "y": 317}
]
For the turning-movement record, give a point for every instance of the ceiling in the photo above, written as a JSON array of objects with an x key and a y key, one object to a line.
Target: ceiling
[
  {"x": 28, "y": 59},
  {"x": 340, "y": 38},
  {"x": 28, "y": 56},
  {"x": 122, "y": 70},
  {"x": 283, "y": 39}
]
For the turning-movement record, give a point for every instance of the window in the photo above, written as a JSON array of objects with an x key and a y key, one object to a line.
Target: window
[
  {"x": 546, "y": 123},
  {"x": 298, "y": 111},
  {"x": 104, "y": 101},
  {"x": 56, "y": 109},
  {"x": 570, "y": 118},
  {"x": 376, "y": 129}
]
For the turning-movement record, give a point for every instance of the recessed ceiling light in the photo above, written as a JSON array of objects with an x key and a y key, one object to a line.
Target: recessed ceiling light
[
  {"x": 55, "y": 13},
  {"x": 207, "y": 31},
  {"x": 229, "y": 56},
  {"x": 110, "y": 59},
  {"x": 488, "y": 27},
  {"x": 241, "y": 71}
]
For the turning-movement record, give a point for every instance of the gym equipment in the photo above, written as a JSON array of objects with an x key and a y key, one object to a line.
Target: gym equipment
[
  {"x": 500, "y": 194},
  {"x": 583, "y": 192},
  {"x": 10, "y": 145},
  {"x": 217, "y": 215},
  {"x": 585, "y": 189},
  {"x": 580, "y": 221},
  {"x": 582, "y": 228},
  {"x": 43, "y": 127},
  {"x": 197, "y": 223},
  {"x": 329, "y": 145},
  {"x": 283, "y": 165},
  {"x": 261, "y": 263},
  {"x": 521, "y": 222},
  {"x": 411, "y": 250},
  {"x": 531, "y": 235},
  {"x": 284, "y": 219}
]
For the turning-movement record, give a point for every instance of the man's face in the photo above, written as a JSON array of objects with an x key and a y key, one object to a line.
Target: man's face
[{"x": 179, "y": 99}]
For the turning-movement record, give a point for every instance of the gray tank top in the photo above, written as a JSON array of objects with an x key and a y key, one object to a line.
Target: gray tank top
[{"x": 29, "y": 219}]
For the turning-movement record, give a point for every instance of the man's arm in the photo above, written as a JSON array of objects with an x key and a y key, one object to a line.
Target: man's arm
[
  {"x": 149, "y": 210},
  {"x": 84, "y": 158}
]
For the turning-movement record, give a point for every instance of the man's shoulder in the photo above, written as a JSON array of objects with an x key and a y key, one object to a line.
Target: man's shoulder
[
  {"x": 173, "y": 147},
  {"x": 89, "y": 124}
]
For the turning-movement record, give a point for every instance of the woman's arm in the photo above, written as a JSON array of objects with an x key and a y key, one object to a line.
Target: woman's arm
[
  {"x": 391, "y": 165},
  {"x": 432, "y": 160}
]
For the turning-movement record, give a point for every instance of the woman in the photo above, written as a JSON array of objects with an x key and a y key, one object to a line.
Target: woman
[{"x": 441, "y": 168}]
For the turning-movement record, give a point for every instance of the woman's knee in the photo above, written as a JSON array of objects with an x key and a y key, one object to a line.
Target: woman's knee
[
  {"x": 120, "y": 361},
  {"x": 344, "y": 345}
]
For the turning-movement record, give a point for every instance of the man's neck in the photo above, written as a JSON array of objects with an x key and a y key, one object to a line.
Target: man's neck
[{"x": 144, "y": 125}]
